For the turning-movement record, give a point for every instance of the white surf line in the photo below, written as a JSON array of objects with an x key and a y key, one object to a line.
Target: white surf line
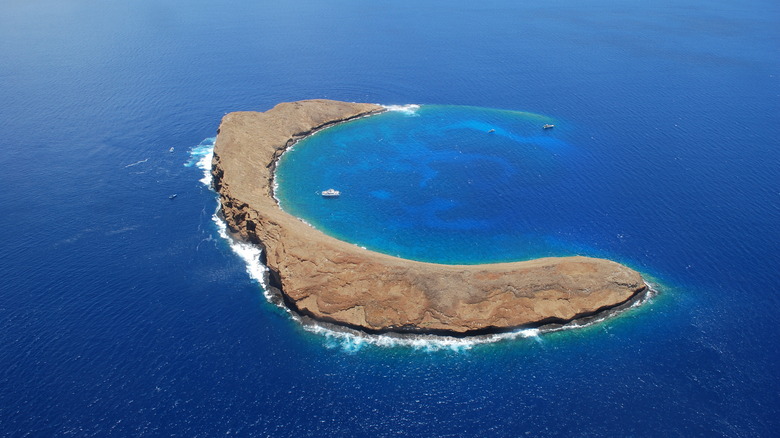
[
  {"x": 352, "y": 340},
  {"x": 200, "y": 157},
  {"x": 249, "y": 253},
  {"x": 410, "y": 109}
]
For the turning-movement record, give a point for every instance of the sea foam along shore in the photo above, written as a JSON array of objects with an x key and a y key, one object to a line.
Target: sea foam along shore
[
  {"x": 409, "y": 109},
  {"x": 352, "y": 340}
]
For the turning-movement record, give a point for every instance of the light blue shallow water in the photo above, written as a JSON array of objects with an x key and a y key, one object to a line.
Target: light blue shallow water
[
  {"x": 125, "y": 313},
  {"x": 443, "y": 184}
]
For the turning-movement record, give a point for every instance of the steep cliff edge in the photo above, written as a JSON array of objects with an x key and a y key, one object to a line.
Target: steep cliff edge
[{"x": 334, "y": 281}]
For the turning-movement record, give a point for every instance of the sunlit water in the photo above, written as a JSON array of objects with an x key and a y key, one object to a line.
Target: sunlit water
[{"x": 126, "y": 313}]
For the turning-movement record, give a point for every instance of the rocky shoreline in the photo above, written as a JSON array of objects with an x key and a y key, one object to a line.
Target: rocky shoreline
[{"x": 332, "y": 281}]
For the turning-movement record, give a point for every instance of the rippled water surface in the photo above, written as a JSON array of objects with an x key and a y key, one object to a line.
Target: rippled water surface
[{"x": 126, "y": 313}]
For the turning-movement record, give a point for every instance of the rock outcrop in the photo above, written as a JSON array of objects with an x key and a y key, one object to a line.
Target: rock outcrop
[{"x": 337, "y": 282}]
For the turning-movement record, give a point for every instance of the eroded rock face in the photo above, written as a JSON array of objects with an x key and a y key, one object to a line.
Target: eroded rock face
[{"x": 334, "y": 281}]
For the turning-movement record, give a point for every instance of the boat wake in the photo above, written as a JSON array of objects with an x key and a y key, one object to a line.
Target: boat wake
[{"x": 137, "y": 163}]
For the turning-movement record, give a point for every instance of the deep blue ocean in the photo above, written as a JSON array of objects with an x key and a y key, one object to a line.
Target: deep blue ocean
[{"x": 125, "y": 313}]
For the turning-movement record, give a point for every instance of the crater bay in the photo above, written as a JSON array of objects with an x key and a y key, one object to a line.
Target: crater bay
[
  {"x": 335, "y": 281},
  {"x": 436, "y": 183}
]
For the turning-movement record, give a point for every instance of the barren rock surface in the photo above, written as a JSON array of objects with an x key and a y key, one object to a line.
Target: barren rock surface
[{"x": 338, "y": 282}]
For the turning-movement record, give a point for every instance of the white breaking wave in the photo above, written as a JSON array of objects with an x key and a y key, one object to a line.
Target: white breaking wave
[
  {"x": 409, "y": 110},
  {"x": 200, "y": 156},
  {"x": 249, "y": 253},
  {"x": 352, "y": 342}
]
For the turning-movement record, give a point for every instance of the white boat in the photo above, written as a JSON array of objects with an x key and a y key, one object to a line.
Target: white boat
[
  {"x": 330, "y": 193},
  {"x": 548, "y": 126}
]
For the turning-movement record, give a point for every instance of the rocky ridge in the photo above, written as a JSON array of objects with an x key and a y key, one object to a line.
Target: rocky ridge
[{"x": 337, "y": 282}]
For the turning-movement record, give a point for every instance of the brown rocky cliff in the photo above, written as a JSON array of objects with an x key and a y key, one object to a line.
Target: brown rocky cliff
[{"x": 334, "y": 281}]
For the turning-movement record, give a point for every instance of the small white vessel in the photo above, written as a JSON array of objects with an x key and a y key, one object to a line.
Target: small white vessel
[
  {"x": 548, "y": 126},
  {"x": 330, "y": 193}
]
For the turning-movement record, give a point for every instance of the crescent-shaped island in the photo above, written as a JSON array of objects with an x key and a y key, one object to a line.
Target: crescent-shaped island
[{"x": 336, "y": 282}]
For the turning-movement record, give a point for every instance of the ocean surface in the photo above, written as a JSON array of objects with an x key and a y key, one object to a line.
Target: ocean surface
[{"x": 126, "y": 313}]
